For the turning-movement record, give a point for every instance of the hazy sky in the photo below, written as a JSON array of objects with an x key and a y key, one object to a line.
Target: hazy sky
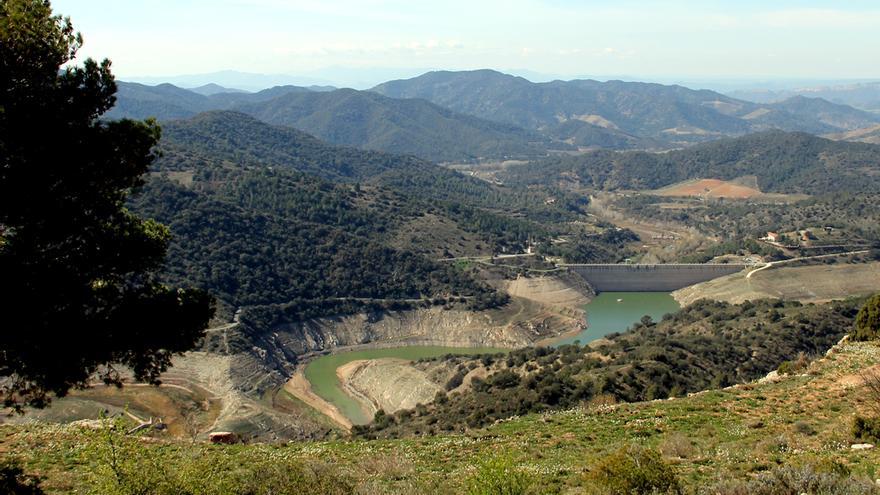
[{"x": 649, "y": 38}]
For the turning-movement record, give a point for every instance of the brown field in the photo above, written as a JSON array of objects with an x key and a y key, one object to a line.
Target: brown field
[
  {"x": 807, "y": 284},
  {"x": 710, "y": 188}
]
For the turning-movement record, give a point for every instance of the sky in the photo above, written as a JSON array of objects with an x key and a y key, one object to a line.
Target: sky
[{"x": 647, "y": 39}]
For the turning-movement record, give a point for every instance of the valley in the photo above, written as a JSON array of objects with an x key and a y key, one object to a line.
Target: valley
[{"x": 454, "y": 282}]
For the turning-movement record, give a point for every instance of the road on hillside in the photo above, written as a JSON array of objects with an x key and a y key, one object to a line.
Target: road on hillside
[{"x": 773, "y": 264}]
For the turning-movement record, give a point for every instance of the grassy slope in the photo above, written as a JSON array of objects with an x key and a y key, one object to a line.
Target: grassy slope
[{"x": 732, "y": 433}]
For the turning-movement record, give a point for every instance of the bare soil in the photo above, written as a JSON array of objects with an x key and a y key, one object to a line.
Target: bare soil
[{"x": 816, "y": 284}]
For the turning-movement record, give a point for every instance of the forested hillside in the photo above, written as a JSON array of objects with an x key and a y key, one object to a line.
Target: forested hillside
[
  {"x": 348, "y": 117},
  {"x": 270, "y": 255},
  {"x": 782, "y": 162},
  {"x": 406, "y": 126},
  {"x": 267, "y": 215}
]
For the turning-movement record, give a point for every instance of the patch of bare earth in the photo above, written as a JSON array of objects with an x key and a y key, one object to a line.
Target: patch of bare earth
[{"x": 817, "y": 283}]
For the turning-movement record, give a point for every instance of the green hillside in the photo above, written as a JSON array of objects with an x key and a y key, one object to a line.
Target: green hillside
[
  {"x": 782, "y": 162},
  {"x": 404, "y": 126}
]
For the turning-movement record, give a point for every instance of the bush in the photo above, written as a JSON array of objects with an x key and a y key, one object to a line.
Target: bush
[
  {"x": 498, "y": 476},
  {"x": 827, "y": 479},
  {"x": 634, "y": 471},
  {"x": 867, "y": 429},
  {"x": 677, "y": 445},
  {"x": 125, "y": 465},
  {"x": 13, "y": 480},
  {"x": 799, "y": 364},
  {"x": 867, "y": 326}
]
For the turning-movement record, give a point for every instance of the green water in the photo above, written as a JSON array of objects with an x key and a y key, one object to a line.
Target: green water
[
  {"x": 321, "y": 373},
  {"x": 611, "y": 312}
]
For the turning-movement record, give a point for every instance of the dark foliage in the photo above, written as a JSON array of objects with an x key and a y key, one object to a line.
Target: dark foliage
[
  {"x": 855, "y": 214},
  {"x": 14, "y": 481},
  {"x": 276, "y": 253},
  {"x": 867, "y": 325},
  {"x": 78, "y": 269},
  {"x": 782, "y": 162}
]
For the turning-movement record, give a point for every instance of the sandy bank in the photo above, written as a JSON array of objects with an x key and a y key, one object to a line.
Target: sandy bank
[{"x": 299, "y": 387}]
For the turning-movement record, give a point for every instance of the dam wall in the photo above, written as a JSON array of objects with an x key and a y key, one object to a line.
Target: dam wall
[{"x": 650, "y": 278}]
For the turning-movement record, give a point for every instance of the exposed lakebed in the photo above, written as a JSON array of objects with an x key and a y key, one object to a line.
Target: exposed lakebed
[
  {"x": 607, "y": 313},
  {"x": 321, "y": 373}
]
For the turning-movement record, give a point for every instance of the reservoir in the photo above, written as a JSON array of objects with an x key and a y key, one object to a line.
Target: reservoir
[
  {"x": 321, "y": 373},
  {"x": 611, "y": 312},
  {"x": 608, "y": 312}
]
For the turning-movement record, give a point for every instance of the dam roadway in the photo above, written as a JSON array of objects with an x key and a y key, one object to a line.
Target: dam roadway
[{"x": 650, "y": 278}]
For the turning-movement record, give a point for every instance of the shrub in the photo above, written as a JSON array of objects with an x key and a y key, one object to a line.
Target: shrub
[
  {"x": 867, "y": 429},
  {"x": 677, "y": 445},
  {"x": 498, "y": 476},
  {"x": 867, "y": 326},
  {"x": 634, "y": 471},
  {"x": 804, "y": 428},
  {"x": 827, "y": 479},
  {"x": 799, "y": 364},
  {"x": 14, "y": 480}
]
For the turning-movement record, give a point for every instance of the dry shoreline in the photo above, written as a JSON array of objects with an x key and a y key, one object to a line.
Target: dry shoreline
[
  {"x": 548, "y": 305},
  {"x": 299, "y": 387}
]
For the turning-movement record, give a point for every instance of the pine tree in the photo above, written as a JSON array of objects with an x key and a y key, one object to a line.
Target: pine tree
[{"x": 79, "y": 294}]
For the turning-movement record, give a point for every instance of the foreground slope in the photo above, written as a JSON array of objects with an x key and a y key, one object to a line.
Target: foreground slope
[{"x": 792, "y": 434}]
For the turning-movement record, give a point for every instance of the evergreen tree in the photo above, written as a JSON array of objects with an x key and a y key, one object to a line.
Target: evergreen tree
[
  {"x": 867, "y": 326},
  {"x": 79, "y": 293}
]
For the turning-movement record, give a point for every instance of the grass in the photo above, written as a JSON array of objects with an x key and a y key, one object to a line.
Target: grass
[{"x": 736, "y": 433}]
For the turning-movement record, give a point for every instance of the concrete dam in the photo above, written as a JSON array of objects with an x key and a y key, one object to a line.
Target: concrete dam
[{"x": 650, "y": 278}]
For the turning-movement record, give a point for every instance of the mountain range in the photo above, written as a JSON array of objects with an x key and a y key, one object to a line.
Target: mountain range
[
  {"x": 862, "y": 95},
  {"x": 348, "y": 117},
  {"x": 484, "y": 114},
  {"x": 673, "y": 115}
]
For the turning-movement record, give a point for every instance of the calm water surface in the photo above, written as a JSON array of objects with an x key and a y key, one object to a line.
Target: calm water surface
[
  {"x": 321, "y": 373},
  {"x": 608, "y": 312},
  {"x": 611, "y": 312}
]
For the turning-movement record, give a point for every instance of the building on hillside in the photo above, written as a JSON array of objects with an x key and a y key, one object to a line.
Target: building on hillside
[{"x": 772, "y": 236}]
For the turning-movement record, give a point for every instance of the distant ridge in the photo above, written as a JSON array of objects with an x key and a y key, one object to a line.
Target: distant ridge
[
  {"x": 213, "y": 89},
  {"x": 484, "y": 114},
  {"x": 671, "y": 114},
  {"x": 348, "y": 117}
]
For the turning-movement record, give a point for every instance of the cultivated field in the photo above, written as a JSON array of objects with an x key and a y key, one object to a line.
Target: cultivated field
[{"x": 712, "y": 188}]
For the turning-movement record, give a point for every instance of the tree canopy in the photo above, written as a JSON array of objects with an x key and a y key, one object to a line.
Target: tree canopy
[{"x": 80, "y": 293}]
